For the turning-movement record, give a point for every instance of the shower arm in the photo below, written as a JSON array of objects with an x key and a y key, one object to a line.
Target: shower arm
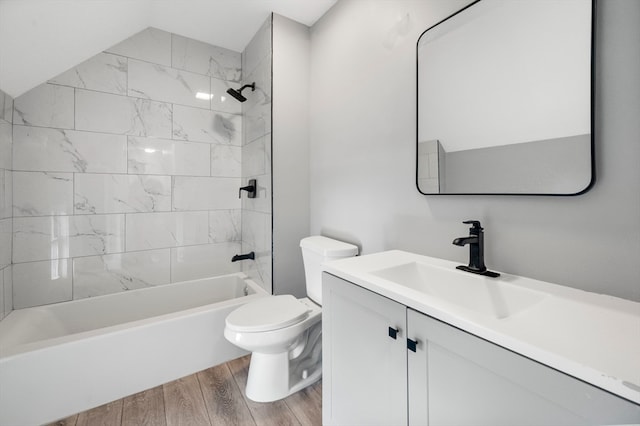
[{"x": 252, "y": 85}]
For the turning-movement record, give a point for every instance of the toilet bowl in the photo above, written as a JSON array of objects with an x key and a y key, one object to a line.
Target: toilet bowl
[
  {"x": 278, "y": 345},
  {"x": 284, "y": 334}
]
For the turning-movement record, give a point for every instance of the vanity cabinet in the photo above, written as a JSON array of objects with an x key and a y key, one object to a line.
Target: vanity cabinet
[
  {"x": 452, "y": 377},
  {"x": 364, "y": 367}
]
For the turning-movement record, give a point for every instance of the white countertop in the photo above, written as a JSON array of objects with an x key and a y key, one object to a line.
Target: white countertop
[{"x": 593, "y": 337}]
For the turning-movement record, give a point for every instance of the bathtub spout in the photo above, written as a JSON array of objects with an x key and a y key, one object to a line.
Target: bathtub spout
[{"x": 250, "y": 255}]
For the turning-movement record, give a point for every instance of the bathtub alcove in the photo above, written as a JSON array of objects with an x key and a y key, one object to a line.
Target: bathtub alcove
[{"x": 60, "y": 359}]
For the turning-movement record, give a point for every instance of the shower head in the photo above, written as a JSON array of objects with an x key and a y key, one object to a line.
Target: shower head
[{"x": 238, "y": 93}]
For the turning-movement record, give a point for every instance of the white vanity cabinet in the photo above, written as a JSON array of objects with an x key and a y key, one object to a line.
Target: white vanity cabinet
[
  {"x": 452, "y": 378},
  {"x": 455, "y": 378},
  {"x": 364, "y": 368}
]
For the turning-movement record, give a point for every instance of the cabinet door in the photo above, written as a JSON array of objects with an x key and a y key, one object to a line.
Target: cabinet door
[
  {"x": 364, "y": 369},
  {"x": 469, "y": 381},
  {"x": 417, "y": 370}
]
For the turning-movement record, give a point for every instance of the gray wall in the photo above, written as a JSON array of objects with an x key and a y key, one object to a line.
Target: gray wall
[
  {"x": 363, "y": 122},
  {"x": 290, "y": 153}
]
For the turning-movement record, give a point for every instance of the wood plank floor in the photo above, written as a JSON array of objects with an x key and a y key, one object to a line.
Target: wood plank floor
[{"x": 210, "y": 397}]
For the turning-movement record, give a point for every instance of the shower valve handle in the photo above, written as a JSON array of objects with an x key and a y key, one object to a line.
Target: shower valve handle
[{"x": 252, "y": 189}]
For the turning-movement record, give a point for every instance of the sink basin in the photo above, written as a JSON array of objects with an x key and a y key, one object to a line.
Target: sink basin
[{"x": 489, "y": 296}]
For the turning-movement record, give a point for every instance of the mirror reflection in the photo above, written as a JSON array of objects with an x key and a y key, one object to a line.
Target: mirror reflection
[{"x": 504, "y": 99}]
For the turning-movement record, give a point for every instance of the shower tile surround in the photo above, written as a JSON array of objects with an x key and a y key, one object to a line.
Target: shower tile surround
[{"x": 121, "y": 178}]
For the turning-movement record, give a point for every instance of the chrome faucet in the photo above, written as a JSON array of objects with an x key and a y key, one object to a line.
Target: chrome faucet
[{"x": 476, "y": 250}]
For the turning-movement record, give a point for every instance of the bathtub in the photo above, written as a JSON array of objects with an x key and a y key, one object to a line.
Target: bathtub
[{"x": 61, "y": 359}]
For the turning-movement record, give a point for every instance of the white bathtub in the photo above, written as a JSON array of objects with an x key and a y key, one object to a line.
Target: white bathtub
[{"x": 61, "y": 359}]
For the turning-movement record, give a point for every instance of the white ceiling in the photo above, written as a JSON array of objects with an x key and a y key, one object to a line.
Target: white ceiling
[{"x": 39, "y": 39}]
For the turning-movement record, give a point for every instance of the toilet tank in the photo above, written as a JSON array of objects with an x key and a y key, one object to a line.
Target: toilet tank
[{"x": 315, "y": 251}]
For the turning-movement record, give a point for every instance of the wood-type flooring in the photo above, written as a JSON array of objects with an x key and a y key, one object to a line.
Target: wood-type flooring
[{"x": 211, "y": 397}]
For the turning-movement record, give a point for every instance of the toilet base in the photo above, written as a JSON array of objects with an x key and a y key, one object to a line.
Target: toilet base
[{"x": 275, "y": 376}]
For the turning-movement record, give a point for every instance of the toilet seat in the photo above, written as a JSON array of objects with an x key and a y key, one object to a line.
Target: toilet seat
[{"x": 269, "y": 313}]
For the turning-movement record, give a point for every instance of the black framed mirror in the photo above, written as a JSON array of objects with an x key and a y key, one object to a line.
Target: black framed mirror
[{"x": 505, "y": 93}]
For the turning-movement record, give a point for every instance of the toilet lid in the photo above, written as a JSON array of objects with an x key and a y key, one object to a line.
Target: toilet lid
[{"x": 268, "y": 313}]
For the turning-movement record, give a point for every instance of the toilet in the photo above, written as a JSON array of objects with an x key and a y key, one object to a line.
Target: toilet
[{"x": 283, "y": 333}]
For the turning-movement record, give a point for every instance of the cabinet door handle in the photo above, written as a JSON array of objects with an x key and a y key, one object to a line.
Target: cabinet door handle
[
  {"x": 412, "y": 344},
  {"x": 393, "y": 332}
]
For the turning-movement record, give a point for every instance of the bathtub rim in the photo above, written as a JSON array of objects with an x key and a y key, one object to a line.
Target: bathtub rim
[{"x": 6, "y": 353}]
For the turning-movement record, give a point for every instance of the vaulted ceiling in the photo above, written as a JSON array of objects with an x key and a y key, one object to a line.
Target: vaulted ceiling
[{"x": 39, "y": 39}]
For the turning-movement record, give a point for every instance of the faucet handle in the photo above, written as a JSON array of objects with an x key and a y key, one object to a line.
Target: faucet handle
[{"x": 476, "y": 224}]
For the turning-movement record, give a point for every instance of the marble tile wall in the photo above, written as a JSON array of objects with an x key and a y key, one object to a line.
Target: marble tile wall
[
  {"x": 6, "y": 206},
  {"x": 256, "y": 156},
  {"x": 125, "y": 172}
]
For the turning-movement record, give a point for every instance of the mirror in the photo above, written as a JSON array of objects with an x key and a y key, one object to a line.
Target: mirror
[{"x": 505, "y": 99}]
